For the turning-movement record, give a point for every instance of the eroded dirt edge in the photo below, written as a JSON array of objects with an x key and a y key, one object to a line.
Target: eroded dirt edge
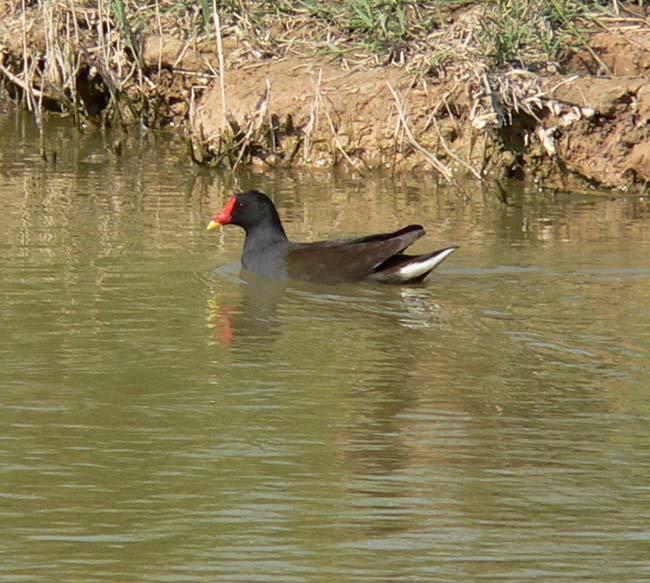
[{"x": 575, "y": 130}]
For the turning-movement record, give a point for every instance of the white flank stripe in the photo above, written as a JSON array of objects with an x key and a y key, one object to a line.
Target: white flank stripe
[{"x": 419, "y": 267}]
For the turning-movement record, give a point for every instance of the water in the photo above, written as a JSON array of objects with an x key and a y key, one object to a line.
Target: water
[{"x": 161, "y": 421}]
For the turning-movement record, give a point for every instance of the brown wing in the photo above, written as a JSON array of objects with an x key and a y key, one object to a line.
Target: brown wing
[{"x": 347, "y": 259}]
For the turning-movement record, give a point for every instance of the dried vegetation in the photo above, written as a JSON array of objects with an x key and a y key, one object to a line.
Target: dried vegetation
[{"x": 447, "y": 86}]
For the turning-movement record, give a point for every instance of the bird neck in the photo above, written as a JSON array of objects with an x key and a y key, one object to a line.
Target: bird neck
[{"x": 266, "y": 233}]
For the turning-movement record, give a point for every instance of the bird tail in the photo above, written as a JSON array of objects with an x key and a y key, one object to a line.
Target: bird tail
[{"x": 411, "y": 268}]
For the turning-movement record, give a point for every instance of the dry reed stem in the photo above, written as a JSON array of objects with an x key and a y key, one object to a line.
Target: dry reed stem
[
  {"x": 313, "y": 118},
  {"x": 23, "y": 84},
  {"x": 254, "y": 123},
  {"x": 245, "y": 142},
  {"x": 195, "y": 134},
  {"x": 181, "y": 54},
  {"x": 270, "y": 117},
  {"x": 160, "y": 36},
  {"x": 222, "y": 68},
  {"x": 27, "y": 86},
  {"x": 337, "y": 142},
  {"x": 431, "y": 158},
  {"x": 454, "y": 156},
  {"x": 100, "y": 30},
  {"x": 398, "y": 140}
]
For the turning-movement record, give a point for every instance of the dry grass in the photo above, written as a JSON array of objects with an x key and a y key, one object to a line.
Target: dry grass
[
  {"x": 93, "y": 60},
  {"x": 99, "y": 44}
]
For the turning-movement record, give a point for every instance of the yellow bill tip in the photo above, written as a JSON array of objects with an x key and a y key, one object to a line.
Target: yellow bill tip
[{"x": 212, "y": 225}]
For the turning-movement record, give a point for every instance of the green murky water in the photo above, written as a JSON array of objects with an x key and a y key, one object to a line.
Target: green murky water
[{"x": 161, "y": 421}]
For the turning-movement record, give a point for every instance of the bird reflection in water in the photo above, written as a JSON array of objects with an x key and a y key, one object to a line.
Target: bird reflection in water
[{"x": 254, "y": 321}]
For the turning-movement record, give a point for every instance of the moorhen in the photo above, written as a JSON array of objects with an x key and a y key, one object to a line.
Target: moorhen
[{"x": 268, "y": 251}]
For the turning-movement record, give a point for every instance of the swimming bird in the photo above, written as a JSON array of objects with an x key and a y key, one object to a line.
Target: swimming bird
[{"x": 376, "y": 258}]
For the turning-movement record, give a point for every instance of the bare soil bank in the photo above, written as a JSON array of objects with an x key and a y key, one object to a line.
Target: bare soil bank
[{"x": 588, "y": 126}]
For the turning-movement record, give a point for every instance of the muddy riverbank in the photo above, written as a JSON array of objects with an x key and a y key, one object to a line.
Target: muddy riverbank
[{"x": 435, "y": 107}]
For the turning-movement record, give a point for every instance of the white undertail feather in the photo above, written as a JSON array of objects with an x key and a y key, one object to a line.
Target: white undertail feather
[{"x": 417, "y": 268}]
